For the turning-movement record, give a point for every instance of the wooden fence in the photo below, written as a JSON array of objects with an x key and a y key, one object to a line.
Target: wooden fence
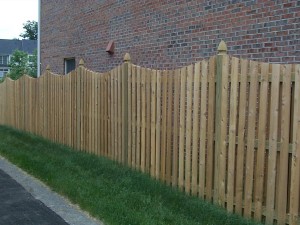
[{"x": 224, "y": 129}]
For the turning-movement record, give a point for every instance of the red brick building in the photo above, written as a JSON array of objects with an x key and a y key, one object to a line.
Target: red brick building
[{"x": 167, "y": 34}]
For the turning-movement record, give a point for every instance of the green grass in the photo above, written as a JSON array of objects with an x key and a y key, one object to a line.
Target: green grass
[{"x": 107, "y": 190}]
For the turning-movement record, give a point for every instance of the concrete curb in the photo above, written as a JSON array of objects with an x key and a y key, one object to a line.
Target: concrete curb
[{"x": 57, "y": 203}]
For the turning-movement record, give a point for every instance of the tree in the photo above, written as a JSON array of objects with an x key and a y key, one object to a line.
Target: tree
[
  {"x": 31, "y": 30},
  {"x": 21, "y": 63},
  {"x": 18, "y": 64}
]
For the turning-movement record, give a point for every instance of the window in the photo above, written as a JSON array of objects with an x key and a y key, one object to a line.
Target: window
[
  {"x": 4, "y": 59},
  {"x": 69, "y": 65},
  {"x": 3, "y": 72}
]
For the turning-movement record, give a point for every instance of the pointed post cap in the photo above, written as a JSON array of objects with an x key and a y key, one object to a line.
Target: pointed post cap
[
  {"x": 222, "y": 48},
  {"x": 127, "y": 57},
  {"x": 48, "y": 68},
  {"x": 81, "y": 62}
]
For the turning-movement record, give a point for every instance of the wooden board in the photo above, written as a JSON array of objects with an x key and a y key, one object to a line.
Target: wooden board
[
  {"x": 94, "y": 132},
  {"x": 116, "y": 116},
  {"x": 109, "y": 106},
  {"x": 121, "y": 116},
  {"x": 106, "y": 115},
  {"x": 133, "y": 117},
  {"x": 129, "y": 159},
  {"x": 82, "y": 109},
  {"x": 262, "y": 123},
  {"x": 182, "y": 128},
  {"x": 295, "y": 163},
  {"x": 217, "y": 149},
  {"x": 188, "y": 137},
  {"x": 163, "y": 126},
  {"x": 210, "y": 129},
  {"x": 153, "y": 123},
  {"x": 169, "y": 129},
  {"x": 203, "y": 131},
  {"x": 272, "y": 143},
  {"x": 251, "y": 138},
  {"x": 112, "y": 115},
  {"x": 143, "y": 120},
  {"x": 195, "y": 135},
  {"x": 138, "y": 119},
  {"x": 241, "y": 137},
  {"x": 148, "y": 121},
  {"x": 158, "y": 124},
  {"x": 223, "y": 131},
  {"x": 91, "y": 101},
  {"x": 176, "y": 128},
  {"x": 284, "y": 150},
  {"x": 100, "y": 110},
  {"x": 69, "y": 110},
  {"x": 232, "y": 133}
]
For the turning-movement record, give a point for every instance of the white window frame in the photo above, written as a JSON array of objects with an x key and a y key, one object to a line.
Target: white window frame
[{"x": 2, "y": 59}]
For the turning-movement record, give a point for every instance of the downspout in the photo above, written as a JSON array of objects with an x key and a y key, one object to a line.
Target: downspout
[{"x": 39, "y": 40}]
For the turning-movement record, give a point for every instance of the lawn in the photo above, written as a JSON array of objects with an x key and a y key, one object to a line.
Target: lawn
[{"x": 107, "y": 190}]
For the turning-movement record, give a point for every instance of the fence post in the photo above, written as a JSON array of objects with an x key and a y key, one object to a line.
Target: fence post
[
  {"x": 127, "y": 61},
  {"x": 222, "y": 52}
]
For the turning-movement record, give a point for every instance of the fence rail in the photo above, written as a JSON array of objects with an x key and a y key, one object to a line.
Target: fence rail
[{"x": 224, "y": 129}]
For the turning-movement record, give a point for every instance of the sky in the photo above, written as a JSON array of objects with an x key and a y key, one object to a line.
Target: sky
[{"x": 13, "y": 14}]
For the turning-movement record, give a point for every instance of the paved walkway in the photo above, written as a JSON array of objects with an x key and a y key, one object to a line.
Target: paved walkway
[
  {"x": 18, "y": 206},
  {"x": 26, "y": 201}
]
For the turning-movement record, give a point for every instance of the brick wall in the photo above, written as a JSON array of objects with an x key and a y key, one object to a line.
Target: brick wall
[{"x": 167, "y": 34}]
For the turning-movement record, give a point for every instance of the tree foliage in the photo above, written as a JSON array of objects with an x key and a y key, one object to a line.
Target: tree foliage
[
  {"x": 30, "y": 30},
  {"x": 20, "y": 65}
]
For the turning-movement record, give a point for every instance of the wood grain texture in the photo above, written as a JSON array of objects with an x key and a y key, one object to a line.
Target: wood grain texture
[
  {"x": 262, "y": 123},
  {"x": 210, "y": 129},
  {"x": 195, "y": 134},
  {"x": 169, "y": 129},
  {"x": 176, "y": 128},
  {"x": 182, "y": 128},
  {"x": 223, "y": 131},
  {"x": 250, "y": 139},
  {"x": 272, "y": 144},
  {"x": 295, "y": 164},
  {"x": 241, "y": 138},
  {"x": 143, "y": 120},
  {"x": 129, "y": 96},
  {"x": 188, "y": 129},
  {"x": 203, "y": 151},
  {"x": 284, "y": 151},
  {"x": 232, "y": 133},
  {"x": 158, "y": 125},
  {"x": 153, "y": 123}
]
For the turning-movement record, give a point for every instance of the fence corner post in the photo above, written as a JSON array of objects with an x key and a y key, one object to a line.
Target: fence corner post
[
  {"x": 127, "y": 61},
  {"x": 222, "y": 52}
]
